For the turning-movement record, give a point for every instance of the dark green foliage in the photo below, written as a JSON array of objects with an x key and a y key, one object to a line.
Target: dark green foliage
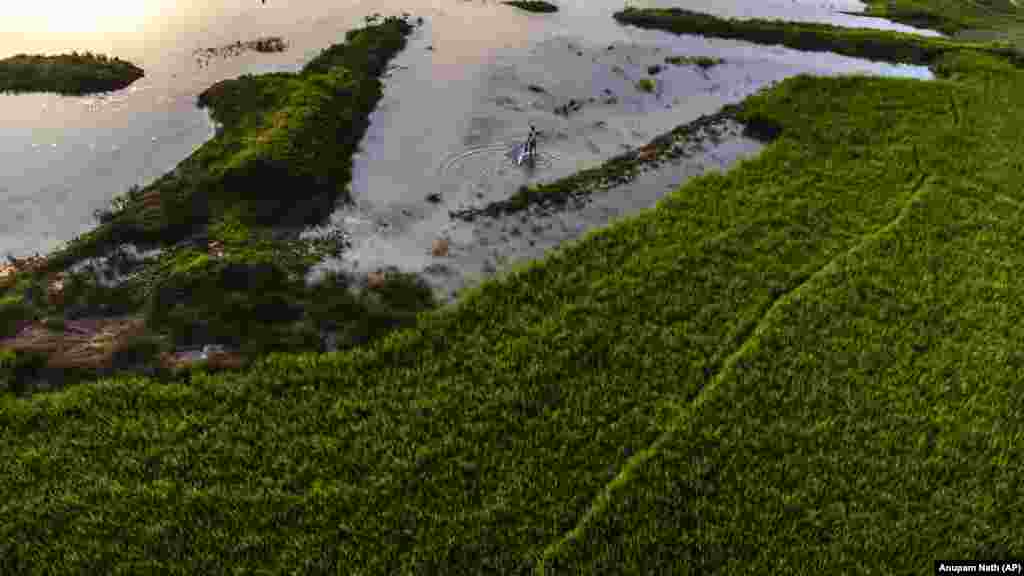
[
  {"x": 361, "y": 317},
  {"x": 17, "y": 370},
  {"x": 533, "y": 5},
  {"x": 232, "y": 301},
  {"x": 366, "y": 51},
  {"x": 86, "y": 295},
  {"x": 14, "y": 311},
  {"x": 55, "y": 324},
  {"x": 66, "y": 73},
  {"x": 141, "y": 351}
]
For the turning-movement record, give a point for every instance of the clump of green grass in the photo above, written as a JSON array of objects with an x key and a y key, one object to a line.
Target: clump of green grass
[
  {"x": 71, "y": 74},
  {"x": 703, "y": 62},
  {"x": 533, "y": 5},
  {"x": 646, "y": 85}
]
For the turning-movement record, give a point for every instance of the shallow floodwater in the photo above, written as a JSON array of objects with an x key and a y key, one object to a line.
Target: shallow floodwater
[{"x": 456, "y": 103}]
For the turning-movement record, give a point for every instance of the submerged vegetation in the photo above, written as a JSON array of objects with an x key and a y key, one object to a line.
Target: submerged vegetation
[
  {"x": 646, "y": 84},
  {"x": 267, "y": 44},
  {"x": 533, "y": 5},
  {"x": 72, "y": 74},
  {"x": 811, "y": 361}
]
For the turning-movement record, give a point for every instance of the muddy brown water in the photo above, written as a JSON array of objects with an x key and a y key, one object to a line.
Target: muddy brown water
[{"x": 456, "y": 104}]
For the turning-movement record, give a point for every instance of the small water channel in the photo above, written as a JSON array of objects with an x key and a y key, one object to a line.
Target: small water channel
[{"x": 456, "y": 103}]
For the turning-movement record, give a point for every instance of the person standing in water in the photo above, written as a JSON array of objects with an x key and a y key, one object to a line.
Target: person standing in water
[{"x": 531, "y": 143}]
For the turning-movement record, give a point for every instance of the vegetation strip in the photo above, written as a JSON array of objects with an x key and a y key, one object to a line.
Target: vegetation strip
[
  {"x": 876, "y": 45},
  {"x": 533, "y": 5},
  {"x": 71, "y": 74},
  {"x": 675, "y": 144}
]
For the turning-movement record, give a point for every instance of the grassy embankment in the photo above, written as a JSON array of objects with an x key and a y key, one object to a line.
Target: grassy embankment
[
  {"x": 72, "y": 74},
  {"x": 810, "y": 362},
  {"x": 1000, "y": 18},
  {"x": 282, "y": 158}
]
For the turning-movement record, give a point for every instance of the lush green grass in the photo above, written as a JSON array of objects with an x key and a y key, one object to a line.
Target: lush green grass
[
  {"x": 807, "y": 364},
  {"x": 66, "y": 73},
  {"x": 860, "y": 42},
  {"x": 948, "y": 16},
  {"x": 533, "y": 5},
  {"x": 646, "y": 85},
  {"x": 871, "y": 420}
]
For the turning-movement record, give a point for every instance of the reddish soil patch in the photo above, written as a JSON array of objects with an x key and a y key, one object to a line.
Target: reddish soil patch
[{"x": 88, "y": 343}]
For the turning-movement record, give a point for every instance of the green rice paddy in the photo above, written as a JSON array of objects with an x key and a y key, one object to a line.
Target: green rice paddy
[{"x": 810, "y": 363}]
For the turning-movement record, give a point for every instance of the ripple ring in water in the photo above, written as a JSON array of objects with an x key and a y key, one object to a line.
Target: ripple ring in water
[{"x": 483, "y": 164}]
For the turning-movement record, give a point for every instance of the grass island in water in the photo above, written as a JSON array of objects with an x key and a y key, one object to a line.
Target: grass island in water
[
  {"x": 533, "y": 5},
  {"x": 71, "y": 74}
]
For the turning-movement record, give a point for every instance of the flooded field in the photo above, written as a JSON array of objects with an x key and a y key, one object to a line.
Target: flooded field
[{"x": 459, "y": 99}]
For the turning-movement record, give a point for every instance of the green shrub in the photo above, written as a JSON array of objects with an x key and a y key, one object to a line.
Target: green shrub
[
  {"x": 17, "y": 369},
  {"x": 227, "y": 301},
  {"x": 13, "y": 311},
  {"x": 55, "y": 324},
  {"x": 140, "y": 351},
  {"x": 646, "y": 85}
]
